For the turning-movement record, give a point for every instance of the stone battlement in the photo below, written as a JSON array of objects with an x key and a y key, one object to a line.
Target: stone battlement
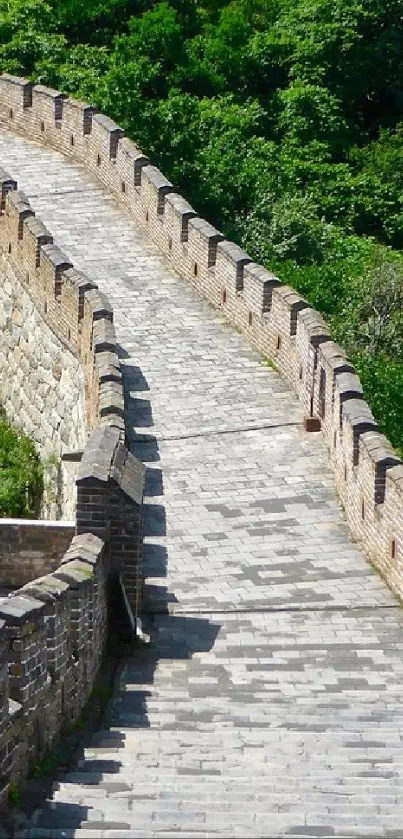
[
  {"x": 53, "y": 627},
  {"x": 275, "y": 319},
  {"x": 75, "y": 310},
  {"x": 52, "y": 637}
]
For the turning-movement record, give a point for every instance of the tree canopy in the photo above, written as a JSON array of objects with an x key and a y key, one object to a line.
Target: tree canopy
[{"x": 280, "y": 120}]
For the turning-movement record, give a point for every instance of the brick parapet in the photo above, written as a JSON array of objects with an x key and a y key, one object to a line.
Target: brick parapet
[
  {"x": 53, "y": 628},
  {"x": 52, "y": 637},
  {"x": 72, "y": 306},
  {"x": 30, "y": 548},
  {"x": 274, "y": 318}
]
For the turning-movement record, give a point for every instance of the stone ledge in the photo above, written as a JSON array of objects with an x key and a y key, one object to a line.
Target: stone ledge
[{"x": 17, "y": 610}]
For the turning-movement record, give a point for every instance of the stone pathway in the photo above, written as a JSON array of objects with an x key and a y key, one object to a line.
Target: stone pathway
[{"x": 269, "y": 703}]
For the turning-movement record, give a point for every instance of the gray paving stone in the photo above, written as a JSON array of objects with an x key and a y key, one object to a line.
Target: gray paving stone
[{"x": 269, "y": 702}]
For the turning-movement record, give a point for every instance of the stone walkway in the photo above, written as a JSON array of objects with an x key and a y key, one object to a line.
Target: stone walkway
[{"x": 269, "y": 703}]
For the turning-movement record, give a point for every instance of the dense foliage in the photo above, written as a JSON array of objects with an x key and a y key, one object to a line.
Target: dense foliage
[
  {"x": 20, "y": 473},
  {"x": 281, "y": 120}
]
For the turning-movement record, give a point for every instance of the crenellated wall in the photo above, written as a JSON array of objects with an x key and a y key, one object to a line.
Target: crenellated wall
[
  {"x": 31, "y": 548},
  {"x": 78, "y": 315},
  {"x": 52, "y": 637},
  {"x": 42, "y": 389},
  {"x": 59, "y": 370},
  {"x": 60, "y": 374},
  {"x": 53, "y": 629},
  {"x": 273, "y": 317}
]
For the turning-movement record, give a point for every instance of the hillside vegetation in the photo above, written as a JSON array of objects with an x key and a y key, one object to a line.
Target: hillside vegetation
[
  {"x": 280, "y": 120},
  {"x": 21, "y": 481}
]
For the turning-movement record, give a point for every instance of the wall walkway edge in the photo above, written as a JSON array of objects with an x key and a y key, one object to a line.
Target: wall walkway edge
[
  {"x": 275, "y": 319},
  {"x": 53, "y": 628}
]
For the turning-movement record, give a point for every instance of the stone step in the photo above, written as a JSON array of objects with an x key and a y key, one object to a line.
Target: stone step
[
  {"x": 146, "y": 747},
  {"x": 88, "y": 833},
  {"x": 62, "y": 833},
  {"x": 131, "y": 833},
  {"x": 96, "y": 827},
  {"x": 183, "y": 800}
]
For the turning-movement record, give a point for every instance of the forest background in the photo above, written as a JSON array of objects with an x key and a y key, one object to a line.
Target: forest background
[{"x": 280, "y": 120}]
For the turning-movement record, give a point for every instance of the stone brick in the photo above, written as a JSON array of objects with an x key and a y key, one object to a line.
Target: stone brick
[{"x": 239, "y": 500}]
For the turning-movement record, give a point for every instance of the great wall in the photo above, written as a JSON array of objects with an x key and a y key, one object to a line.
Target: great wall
[{"x": 222, "y": 480}]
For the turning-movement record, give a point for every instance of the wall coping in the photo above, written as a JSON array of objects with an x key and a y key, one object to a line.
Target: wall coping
[
  {"x": 274, "y": 318},
  {"x": 39, "y": 523},
  {"x": 65, "y": 601},
  {"x": 277, "y": 320}
]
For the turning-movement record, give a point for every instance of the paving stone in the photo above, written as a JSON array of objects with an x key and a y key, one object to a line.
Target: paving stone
[{"x": 269, "y": 701}]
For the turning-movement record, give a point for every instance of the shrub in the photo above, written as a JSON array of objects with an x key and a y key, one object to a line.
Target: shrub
[{"x": 20, "y": 473}]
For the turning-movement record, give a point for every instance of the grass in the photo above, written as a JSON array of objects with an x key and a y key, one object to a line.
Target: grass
[
  {"x": 46, "y": 766},
  {"x": 268, "y": 362}
]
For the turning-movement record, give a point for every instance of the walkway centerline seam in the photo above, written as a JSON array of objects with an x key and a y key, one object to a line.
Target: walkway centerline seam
[
  {"x": 273, "y": 610},
  {"x": 143, "y": 438},
  {"x": 91, "y": 190}
]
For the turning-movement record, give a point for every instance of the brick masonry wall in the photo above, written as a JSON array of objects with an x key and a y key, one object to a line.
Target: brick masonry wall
[
  {"x": 274, "y": 318},
  {"x": 42, "y": 385},
  {"x": 66, "y": 385},
  {"x": 53, "y": 628},
  {"x": 29, "y": 549},
  {"x": 52, "y": 637},
  {"x": 59, "y": 368}
]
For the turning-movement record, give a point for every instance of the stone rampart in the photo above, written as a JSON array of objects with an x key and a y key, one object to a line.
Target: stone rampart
[
  {"x": 41, "y": 389},
  {"x": 52, "y": 637},
  {"x": 53, "y": 627},
  {"x": 31, "y": 548},
  {"x": 273, "y": 317},
  {"x": 59, "y": 368}
]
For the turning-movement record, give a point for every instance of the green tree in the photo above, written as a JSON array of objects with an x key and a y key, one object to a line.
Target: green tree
[
  {"x": 280, "y": 121},
  {"x": 21, "y": 481}
]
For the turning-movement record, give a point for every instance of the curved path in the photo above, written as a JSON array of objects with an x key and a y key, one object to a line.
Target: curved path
[{"x": 269, "y": 702}]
